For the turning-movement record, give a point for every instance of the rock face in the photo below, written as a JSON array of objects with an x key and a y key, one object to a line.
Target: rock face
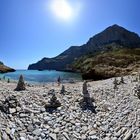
[
  {"x": 4, "y": 69},
  {"x": 21, "y": 84},
  {"x": 114, "y": 63},
  {"x": 113, "y": 34}
]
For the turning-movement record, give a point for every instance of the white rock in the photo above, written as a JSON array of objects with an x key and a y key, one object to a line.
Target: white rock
[
  {"x": 138, "y": 137},
  {"x": 37, "y": 132},
  {"x": 56, "y": 130},
  {"x": 128, "y": 135},
  {"x": 22, "y": 138},
  {"x": 93, "y": 132},
  {"x": 53, "y": 136},
  {"x": 12, "y": 110},
  {"x": 66, "y": 136}
]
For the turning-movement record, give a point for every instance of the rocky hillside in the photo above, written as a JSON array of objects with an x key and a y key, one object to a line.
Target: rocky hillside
[
  {"x": 108, "y": 64},
  {"x": 113, "y": 34},
  {"x": 4, "y": 69}
]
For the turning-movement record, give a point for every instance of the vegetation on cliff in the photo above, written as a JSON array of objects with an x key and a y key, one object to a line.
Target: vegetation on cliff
[{"x": 108, "y": 64}]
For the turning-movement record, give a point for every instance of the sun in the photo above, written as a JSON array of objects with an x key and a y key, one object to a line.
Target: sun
[{"x": 62, "y": 9}]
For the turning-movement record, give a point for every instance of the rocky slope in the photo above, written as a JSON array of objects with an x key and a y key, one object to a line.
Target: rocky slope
[
  {"x": 4, "y": 69},
  {"x": 115, "y": 62},
  {"x": 113, "y": 34},
  {"x": 116, "y": 118}
]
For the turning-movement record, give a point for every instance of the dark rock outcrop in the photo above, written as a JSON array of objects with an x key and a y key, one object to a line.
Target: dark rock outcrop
[{"x": 113, "y": 34}]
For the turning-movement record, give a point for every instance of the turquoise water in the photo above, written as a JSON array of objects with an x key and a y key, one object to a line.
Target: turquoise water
[{"x": 41, "y": 76}]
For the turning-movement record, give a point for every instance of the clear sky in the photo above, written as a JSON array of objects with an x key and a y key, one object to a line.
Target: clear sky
[{"x": 33, "y": 29}]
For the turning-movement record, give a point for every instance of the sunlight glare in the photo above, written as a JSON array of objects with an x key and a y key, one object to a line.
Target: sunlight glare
[{"x": 62, "y": 9}]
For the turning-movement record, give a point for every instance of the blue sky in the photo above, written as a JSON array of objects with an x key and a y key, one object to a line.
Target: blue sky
[{"x": 30, "y": 31}]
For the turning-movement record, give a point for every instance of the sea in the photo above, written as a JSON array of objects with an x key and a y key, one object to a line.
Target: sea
[{"x": 45, "y": 76}]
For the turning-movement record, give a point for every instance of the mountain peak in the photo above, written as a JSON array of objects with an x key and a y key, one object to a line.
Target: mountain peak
[
  {"x": 116, "y": 27},
  {"x": 114, "y": 34}
]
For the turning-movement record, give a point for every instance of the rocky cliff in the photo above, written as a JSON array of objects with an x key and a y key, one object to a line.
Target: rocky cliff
[
  {"x": 113, "y": 63},
  {"x": 98, "y": 43},
  {"x": 4, "y": 69}
]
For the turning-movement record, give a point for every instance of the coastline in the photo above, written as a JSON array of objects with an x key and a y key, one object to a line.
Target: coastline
[{"x": 116, "y": 118}]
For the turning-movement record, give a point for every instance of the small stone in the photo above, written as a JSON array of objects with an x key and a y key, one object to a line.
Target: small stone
[
  {"x": 22, "y": 138},
  {"x": 42, "y": 110},
  {"x": 66, "y": 136},
  {"x": 8, "y": 131},
  {"x": 18, "y": 109},
  {"x": 22, "y": 134},
  {"x": 128, "y": 135},
  {"x": 22, "y": 115},
  {"x": 53, "y": 136},
  {"x": 56, "y": 130},
  {"x": 30, "y": 128},
  {"x": 37, "y": 132},
  {"x": 94, "y": 137},
  {"x": 12, "y": 110},
  {"x": 13, "y": 131},
  {"x": 93, "y": 132},
  {"x": 47, "y": 118},
  {"x": 138, "y": 137},
  {"x": 83, "y": 137},
  {"x": 5, "y": 136},
  {"x": 42, "y": 135}
]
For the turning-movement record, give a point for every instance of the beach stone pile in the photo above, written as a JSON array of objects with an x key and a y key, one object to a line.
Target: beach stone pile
[
  {"x": 116, "y": 118},
  {"x": 137, "y": 91},
  {"x": 10, "y": 105},
  {"x": 62, "y": 90},
  {"x": 21, "y": 84},
  {"x": 86, "y": 102},
  {"x": 115, "y": 82},
  {"x": 53, "y": 104}
]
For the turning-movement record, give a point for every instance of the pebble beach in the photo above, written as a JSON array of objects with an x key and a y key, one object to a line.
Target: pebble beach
[{"x": 117, "y": 114}]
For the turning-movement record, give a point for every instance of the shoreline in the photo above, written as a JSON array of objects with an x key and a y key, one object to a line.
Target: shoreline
[{"x": 116, "y": 118}]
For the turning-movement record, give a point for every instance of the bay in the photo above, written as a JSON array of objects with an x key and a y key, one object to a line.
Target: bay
[{"x": 35, "y": 76}]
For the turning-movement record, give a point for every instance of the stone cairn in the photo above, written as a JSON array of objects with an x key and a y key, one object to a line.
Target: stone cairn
[
  {"x": 8, "y": 81},
  {"x": 10, "y": 105},
  {"x": 21, "y": 84},
  {"x": 62, "y": 90},
  {"x": 122, "y": 80},
  {"x": 86, "y": 102},
  {"x": 137, "y": 91},
  {"x": 115, "y": 82},
  {"x": 53, "y": 104}
]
